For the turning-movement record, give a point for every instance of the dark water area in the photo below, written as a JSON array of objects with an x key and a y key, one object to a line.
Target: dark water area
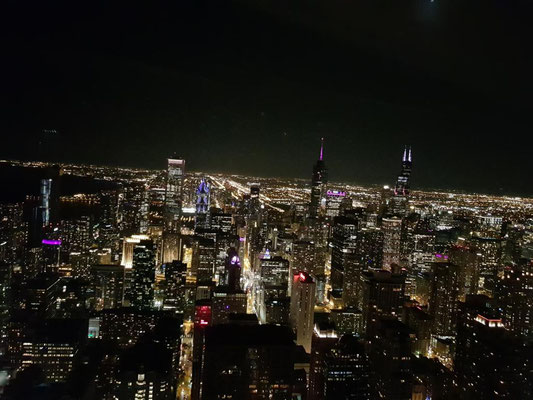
[{"x": 18, "y": 182}]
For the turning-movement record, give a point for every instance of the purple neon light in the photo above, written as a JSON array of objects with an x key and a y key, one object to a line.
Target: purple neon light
[
  {"x": 336, "y": 193},
  {"x": 51, "y": 242},
  {"x": 242, "y": 239}
]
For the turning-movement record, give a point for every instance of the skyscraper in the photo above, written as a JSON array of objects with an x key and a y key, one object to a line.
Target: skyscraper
[
  {"x": 318, "y": 184},
  {"x": 203, "y": 200},
  {"x": 383, "y": 296},
  {"x": 142, "y": 288},
  {"x": 324, "y": 338},
  {"x": 392, "y": 234},
  {"x": 302, "y": 308},
  {"x": 346, "y": 371},
  {"x": 107, "y": 285},
  {"x": 398, "y": 203},
  {"x": 343, "y": 252},
  {"x": 248, "y": 362},
  {"x": 444, "y": 297},
  {"x": 174, "y": 193}
]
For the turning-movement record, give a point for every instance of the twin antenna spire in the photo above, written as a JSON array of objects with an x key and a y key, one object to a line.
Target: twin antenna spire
[{"x": 407, "y": 154}]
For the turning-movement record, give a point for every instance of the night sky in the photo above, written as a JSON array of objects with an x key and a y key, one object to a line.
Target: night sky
[{"x": 250, "y": 86}]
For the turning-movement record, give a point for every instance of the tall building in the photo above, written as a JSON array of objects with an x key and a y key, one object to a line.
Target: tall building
[
  {"x": 324, "y": 338},
  {"x": 490, "y": 362},
  {"x": 444, "y": 297},
  {"x": 248, "y": 362},
  {"x": 334, "y": 202},
  {"x": 203, "y": 317},
  {"x": 107, "y": 286},
  {"x": 175, "y": 286},
  {"x": 144, "y": 372},
  {"x": 273, "y": 289},
  {"x": 203, "y": 201},
  {"x": 302, "y": 308},
  {"x": 515, "y": 295},
  {"x": 392, "y": 234},
  {"x": 225, "y": 302},
  {"x": 383, "y": 297},
  {"x": 346, "y": 371},
  {"x": 318, "y": 184},
  {"x": 398, "y": 202},
  {"x": 343, "y": 257},
  {"x": 174, "y": 193},
  {"x": 390, "y": 358},
  {"x": 203, "y": 259},
  {"x": 143, "y": 276},
  {"x": 53, "y": 346}
]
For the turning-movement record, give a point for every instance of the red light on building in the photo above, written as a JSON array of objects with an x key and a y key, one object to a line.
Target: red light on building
[{"x": 202, "y": 316}]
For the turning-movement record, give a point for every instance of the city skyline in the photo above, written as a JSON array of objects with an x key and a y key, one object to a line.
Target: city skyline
[{"x": 266, "y": 200}]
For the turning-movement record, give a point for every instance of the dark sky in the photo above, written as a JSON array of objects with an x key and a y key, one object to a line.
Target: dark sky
[{"x": 250, "y": 86}]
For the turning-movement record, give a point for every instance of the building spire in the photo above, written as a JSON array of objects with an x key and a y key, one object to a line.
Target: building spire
[
  {"x": 409, "y": 156},
  {"x": 404, "y": 158},
  {"x": 321, "y": 149}
]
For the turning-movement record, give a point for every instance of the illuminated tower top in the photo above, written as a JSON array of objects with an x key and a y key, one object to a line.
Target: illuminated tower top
[
  {"x": 402, "y": 183},
  {"x": 318, "y": 183},
  {"x": 203, "y": 197}
]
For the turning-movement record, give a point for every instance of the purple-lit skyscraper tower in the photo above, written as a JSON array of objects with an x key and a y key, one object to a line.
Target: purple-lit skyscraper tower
[
  {"x": 318, "y": 183},
  {"x": 203, "y": 200}
]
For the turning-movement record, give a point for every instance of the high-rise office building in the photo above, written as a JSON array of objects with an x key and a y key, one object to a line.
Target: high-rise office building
[
  {"x": 343, "y": 259},
  {"x": 107, "y": 286},
  {"x": 226, "y": 301},
  {"x": 273, "y": 289},
  {"x": 390, "y": 359},
  {"x": 383, "y": 296},
  {"x": 346, "y": 371},
  {"x": 392, "y": 234},
  {"x": 444, "y": 297},
  {"x": 203, "y": 259},
  {"x": 203, "y": 317},
  {"x": 515, "y": 295},
  {"x": 490, "y": 362},
  {"x": 324, "y": 338},
  {"x": 203, "y": 204},
  {"x": 302, "y": 308},
  {"x": 143, "y": 276},
  {"x": 174, "y": 193},
  {"x": 398, "y": 202},
  {"x": 248, "y": 362},
  {"x": 318, "y": 184},
  {"x": 175, "y": 286}
]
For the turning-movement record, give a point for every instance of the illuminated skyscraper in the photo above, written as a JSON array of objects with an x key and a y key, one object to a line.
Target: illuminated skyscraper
[
  {"x": 318, "y": 184},
  {"x": 392, "y": 233},
  {"x": 142, "y": 290},
  {"x": 444, "y": 297},
  {"x": 203, "y": 199},
  {"x": 174, "y": 193},
  {"x": 398, "y": 203},
  {"x": 302, "y": 308}
]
